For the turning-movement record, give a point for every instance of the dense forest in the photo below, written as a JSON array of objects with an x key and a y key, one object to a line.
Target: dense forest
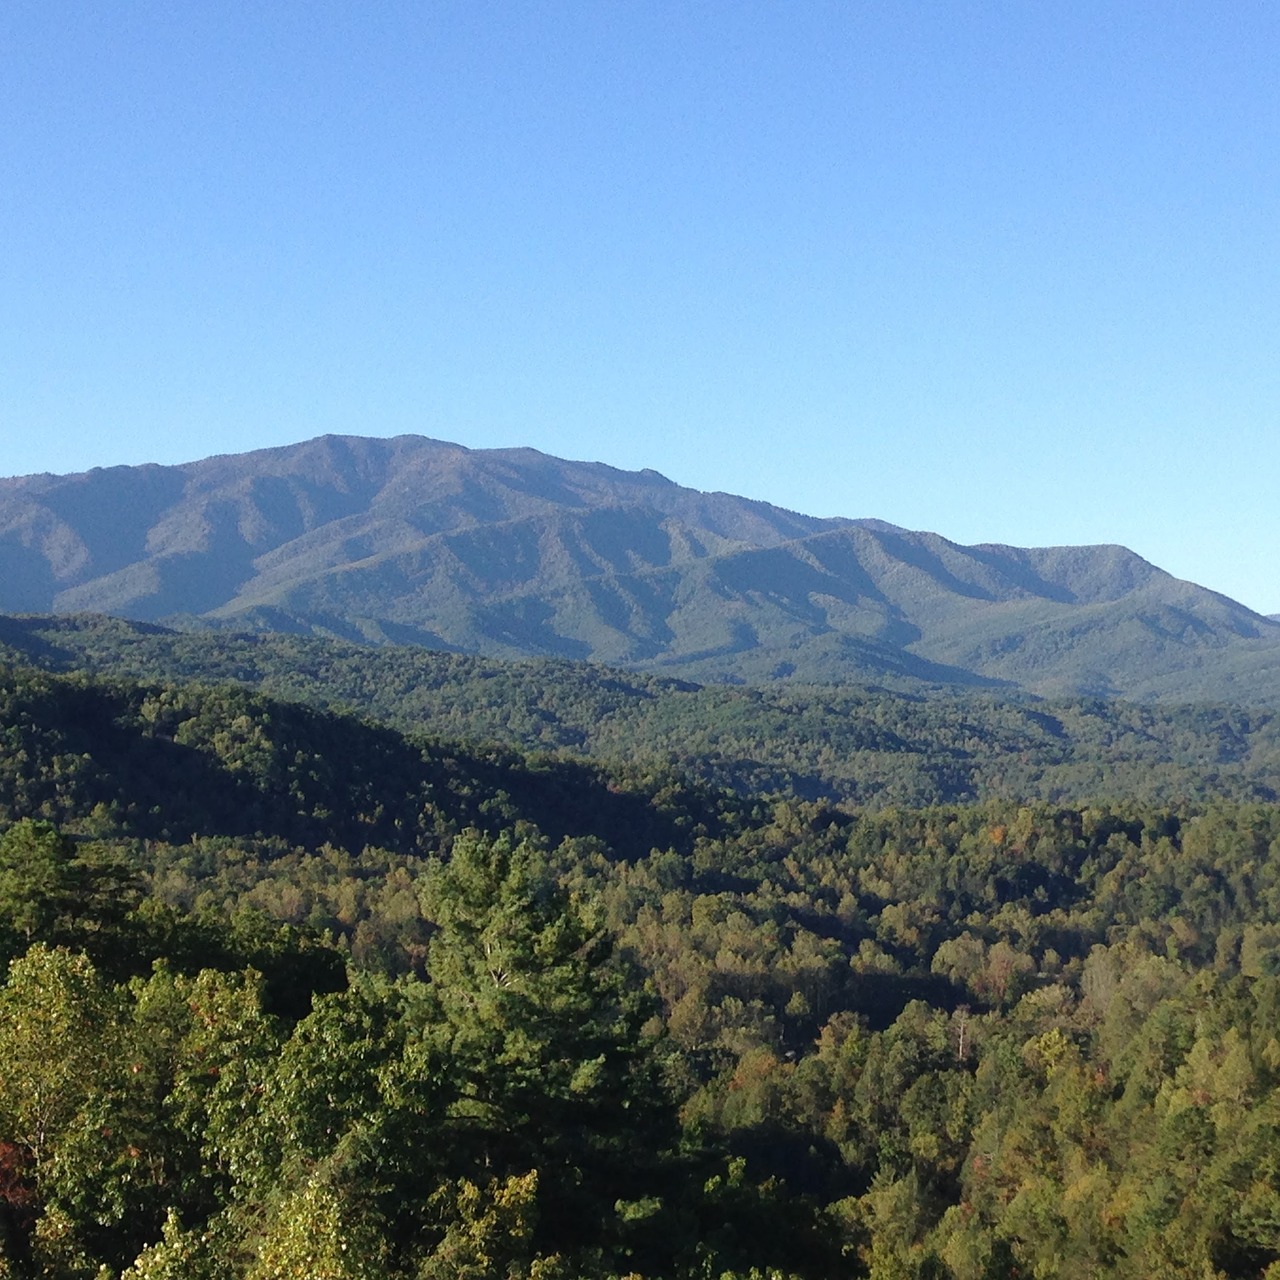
[
  {"x": 428, "y": 988},
  {"x": 869, "y": 746}
]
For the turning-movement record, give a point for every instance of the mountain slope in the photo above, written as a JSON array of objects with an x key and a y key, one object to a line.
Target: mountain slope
[{"x": 512, "y": 553}]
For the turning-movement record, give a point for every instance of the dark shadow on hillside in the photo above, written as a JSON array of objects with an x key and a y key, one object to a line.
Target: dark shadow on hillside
[
  {"x": 909, "y": 551},
  {"x": 808, "y": 1164},
  {"x": 27, "y": 584},
  {"x": 628, "y": 539},
  {"x": 113, "y": 510},
  {"x": 540, "y": 477},
  {"x": 34, "y": 637},
  {"x": 499, "y": 556},
  {"x": 1020, "y": 574},
  {"x": 219, "y": 762},
  {"x": 528, "y": 625},
  {"x": 789, "y": 583},
  {"x": 881, "y": 997}
]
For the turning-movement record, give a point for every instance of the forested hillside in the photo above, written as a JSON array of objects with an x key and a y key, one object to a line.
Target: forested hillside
[
  {"x": 295, "y": 994},
  {"x": 863, "y": 745}
]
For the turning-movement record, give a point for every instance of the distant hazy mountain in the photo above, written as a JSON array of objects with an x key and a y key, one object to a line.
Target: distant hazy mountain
[{"x": 512, "y": 552}]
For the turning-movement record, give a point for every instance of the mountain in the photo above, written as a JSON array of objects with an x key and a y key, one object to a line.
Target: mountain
[{"x": 511, "y": 553}]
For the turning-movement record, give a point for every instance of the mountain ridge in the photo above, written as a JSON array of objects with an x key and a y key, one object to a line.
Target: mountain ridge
[{"x": 514, "y": 553}]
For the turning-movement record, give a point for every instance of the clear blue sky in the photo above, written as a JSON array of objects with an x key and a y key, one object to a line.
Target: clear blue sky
[{"x": 1009, "y": 271}]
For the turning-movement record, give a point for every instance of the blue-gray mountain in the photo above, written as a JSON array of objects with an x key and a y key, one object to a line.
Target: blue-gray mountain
[{"x": 512, "y": 553}]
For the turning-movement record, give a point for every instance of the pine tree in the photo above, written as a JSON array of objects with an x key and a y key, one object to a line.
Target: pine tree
[{"x": 550, "y": 1070}]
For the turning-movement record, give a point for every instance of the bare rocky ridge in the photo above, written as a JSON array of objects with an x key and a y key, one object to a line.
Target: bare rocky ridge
[{"x": 512, "y": 553}]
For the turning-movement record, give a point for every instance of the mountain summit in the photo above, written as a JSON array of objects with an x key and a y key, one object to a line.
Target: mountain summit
[{"x": 509, "y": 552}]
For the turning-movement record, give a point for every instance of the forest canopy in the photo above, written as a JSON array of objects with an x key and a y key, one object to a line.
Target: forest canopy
[{"x": 299, "y": 993}]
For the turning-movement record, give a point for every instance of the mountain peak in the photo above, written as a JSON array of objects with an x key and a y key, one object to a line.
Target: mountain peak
[{"x": 513, "y": 552}]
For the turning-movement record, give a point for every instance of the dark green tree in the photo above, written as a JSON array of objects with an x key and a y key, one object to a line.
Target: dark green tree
[
  {"x": 54, "y": 891},
  {"x": 542, "y": 1031}
]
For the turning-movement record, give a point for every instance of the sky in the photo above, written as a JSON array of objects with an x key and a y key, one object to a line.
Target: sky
[{"x": 1005, "y": 271}]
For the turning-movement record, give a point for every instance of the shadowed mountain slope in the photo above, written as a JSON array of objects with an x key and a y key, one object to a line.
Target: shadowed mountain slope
[{"x": 512, "y": 553}]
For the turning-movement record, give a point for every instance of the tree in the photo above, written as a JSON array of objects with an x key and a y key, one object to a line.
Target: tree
[
  {"x": 61, "y": 1081},
  {"x": 550, "y": 1071},
  {"x": 53, "y": 891},
  {"x": 320, "y": 1232}
]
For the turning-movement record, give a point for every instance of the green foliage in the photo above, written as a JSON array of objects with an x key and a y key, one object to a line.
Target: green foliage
[
  {"x": 543, "y": 1045},
  {"x": 171, "y": 764},
  {"x": 55, "y": 892},
  {"x": 490, "y": 1233},
  {"x": 177, "y": 1255},
  {"x": 565, "y": 1021},
  {"x": 862, "y": 744},
  {"x": 319, "y": 1232},
  {"x": 66, "y": 1122}
]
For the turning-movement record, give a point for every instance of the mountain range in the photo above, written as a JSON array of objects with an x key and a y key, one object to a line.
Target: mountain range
[{"x": 512, "y": 553}]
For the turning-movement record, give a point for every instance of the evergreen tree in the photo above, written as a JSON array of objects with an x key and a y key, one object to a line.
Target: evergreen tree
[{"x": 550, "y": 1071}]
